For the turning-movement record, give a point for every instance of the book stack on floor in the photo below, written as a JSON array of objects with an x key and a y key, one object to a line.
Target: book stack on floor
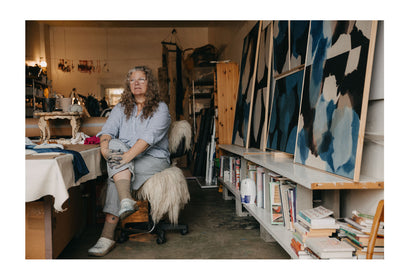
[
  {"x": 312, "y": 223},
  {"x": 355, "y": 231}
]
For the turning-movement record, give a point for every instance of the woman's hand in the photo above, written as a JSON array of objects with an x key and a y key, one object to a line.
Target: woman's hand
[{"x": 117, "y": 158}]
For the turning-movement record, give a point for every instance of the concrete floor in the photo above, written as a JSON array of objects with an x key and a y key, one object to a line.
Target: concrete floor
[{"x": 215, "y": 232}]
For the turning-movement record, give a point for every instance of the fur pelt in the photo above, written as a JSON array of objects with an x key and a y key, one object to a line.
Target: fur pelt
[
  {"x": 178, "y": 131},
  {"x": 167, "y": 192}
]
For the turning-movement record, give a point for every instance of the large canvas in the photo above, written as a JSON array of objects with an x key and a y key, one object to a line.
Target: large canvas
[
  {"x": 335, "y": 96},
  {"x": 258, "y": 120},
  {"x": 299, "y": 31},
  {"x": 280, "y": 47},
  {"x": 246, "y": 82},
  {"x": 284, "y": 113}
]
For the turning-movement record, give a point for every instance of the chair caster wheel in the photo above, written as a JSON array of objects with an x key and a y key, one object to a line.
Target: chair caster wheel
[
  {"x": 161, "y": 238},
  {"x": 160, "y": 241},
  {"x": 123, "y": 237},
  {"x": 184, "y": 231}
]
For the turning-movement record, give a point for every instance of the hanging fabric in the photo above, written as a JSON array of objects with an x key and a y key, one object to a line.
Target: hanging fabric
[{"x": 172, "y": 61}]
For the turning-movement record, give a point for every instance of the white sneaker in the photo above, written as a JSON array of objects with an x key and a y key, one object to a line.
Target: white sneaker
[
  {"x": 128, "y": 207},
  {"x": 102, "y": 247}
]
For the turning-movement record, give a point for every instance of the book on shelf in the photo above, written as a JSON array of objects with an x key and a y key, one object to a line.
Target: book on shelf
[
  {"x": 360, "y": 238},
  {"x": 237, "y": 166},
  {"x": 297, "y": 246},
  {"x": 275, "y": 203},
  {"x": 305, "y": 231},
  {"x": 232, "y": 173},
  {"x": 285, "y": 188},
  {"x": 361, "y": 251},
  {"x": 225, "y": 168},
  {"x": 317, "y": 218},
  {"x": 260, "y": 173},
  {"x": 364, "y": 222},
  {"x": 330, "y": 248},
  {"x": 367, "y": 230},
  {"x": 291, "y": 196}
]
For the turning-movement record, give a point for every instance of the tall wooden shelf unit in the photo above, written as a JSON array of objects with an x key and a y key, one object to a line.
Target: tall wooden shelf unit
[
  {"x": 226, "y": 88},
  {"x": 307, "y": 180}
]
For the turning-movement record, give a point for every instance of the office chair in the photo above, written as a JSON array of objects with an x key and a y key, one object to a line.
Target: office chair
[
  {"x": 164, "y": 194},
  {"x": 379, "y": 217}
]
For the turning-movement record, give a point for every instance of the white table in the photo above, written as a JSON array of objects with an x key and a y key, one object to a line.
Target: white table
[
  {"x": 54, "y": 220},
  {"x": 55, "y": 176}
]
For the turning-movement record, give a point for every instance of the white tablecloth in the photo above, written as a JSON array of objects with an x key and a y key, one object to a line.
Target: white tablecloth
[{"x": 55, "y": 176}]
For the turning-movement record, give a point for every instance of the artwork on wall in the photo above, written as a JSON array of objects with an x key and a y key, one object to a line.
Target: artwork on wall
[
  {"x": 65, "y": 65},
  {"x": 335, "y": 96},
  {"x": 246, "y": 85},
  {"x": 289, "y": 51},
  {"x": 86, "y": 66},
  {"x": 284, "y": 113},
  {"x": 280, "y": 47},
  {"x": 299, "y": 31},
  {"x": 259, "y": 107}
]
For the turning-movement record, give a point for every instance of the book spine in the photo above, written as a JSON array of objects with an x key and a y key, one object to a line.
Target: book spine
[
  {"x": 259, "y": 186},
  {"x": 352, "y": 238},
  {"x": 238, "y": 163},
  {"x": 302, "y": 215}
]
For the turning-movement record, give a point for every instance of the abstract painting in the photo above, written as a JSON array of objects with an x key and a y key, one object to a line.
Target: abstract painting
[
  {"x": 259, "y": 105},
  {"x": 246, "y": 82},
  {"x": 299, "y": 31},
  {"x": 284, "y": 113},
  {"x": 280, "y": 47},
  {"x": 335, "y": 96}
]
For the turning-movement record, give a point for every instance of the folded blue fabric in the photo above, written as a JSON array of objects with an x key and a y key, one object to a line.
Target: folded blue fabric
[{"x": 79, "y": 167}]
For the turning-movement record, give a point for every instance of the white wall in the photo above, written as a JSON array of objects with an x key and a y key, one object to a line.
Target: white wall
[{"x": 121, "y": 48}]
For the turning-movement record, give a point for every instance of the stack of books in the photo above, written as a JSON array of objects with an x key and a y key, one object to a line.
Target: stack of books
[
  {"x": 356, "y": 230},
  {"x": 329, "y": 248},
  {"x": 312, "y": 223}
]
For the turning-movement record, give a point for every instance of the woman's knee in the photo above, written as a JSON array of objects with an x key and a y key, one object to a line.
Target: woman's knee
[{"x": 125, "y": 174}]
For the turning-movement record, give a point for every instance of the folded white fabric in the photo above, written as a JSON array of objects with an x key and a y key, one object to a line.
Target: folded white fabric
[{"x": 48, "y": 146}]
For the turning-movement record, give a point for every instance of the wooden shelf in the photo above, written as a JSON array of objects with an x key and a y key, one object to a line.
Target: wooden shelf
[{"x": 305, "y": 176}]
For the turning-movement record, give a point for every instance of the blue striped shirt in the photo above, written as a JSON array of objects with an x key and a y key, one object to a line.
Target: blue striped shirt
[{"x": 153, "y": 130}]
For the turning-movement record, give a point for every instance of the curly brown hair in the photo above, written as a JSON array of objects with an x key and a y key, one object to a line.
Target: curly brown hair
[{"x": 152, "y": 97}]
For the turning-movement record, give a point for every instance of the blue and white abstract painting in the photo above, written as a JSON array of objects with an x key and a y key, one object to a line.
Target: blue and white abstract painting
[
  {"x": 299, "y": 31},
  {"x": 261, "y": 89},
  {"x": 280, "y": 47},
  {"x": 241, "y": 118},
  {"x": 332, "y": 99},
  {"x": 284, "y": 113}
]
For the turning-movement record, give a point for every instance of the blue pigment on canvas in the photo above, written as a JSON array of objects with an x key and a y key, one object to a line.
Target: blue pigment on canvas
[
  {"x": 284, "y": 114},
  {"x": 280, "y": 47},
  {"x": 242, "y": 105},
  {"x": 331, "y": 126}
]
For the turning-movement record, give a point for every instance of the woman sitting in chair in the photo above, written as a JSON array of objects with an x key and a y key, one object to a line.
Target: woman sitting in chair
[{"x": 134, "y": 141}]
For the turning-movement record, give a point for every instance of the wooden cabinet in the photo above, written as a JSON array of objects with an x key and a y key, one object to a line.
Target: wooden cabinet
[{"x": 226, "y": 84}]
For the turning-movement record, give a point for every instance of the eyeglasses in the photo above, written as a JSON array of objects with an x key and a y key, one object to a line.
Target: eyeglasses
[{"x": 140, "y": 80}]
